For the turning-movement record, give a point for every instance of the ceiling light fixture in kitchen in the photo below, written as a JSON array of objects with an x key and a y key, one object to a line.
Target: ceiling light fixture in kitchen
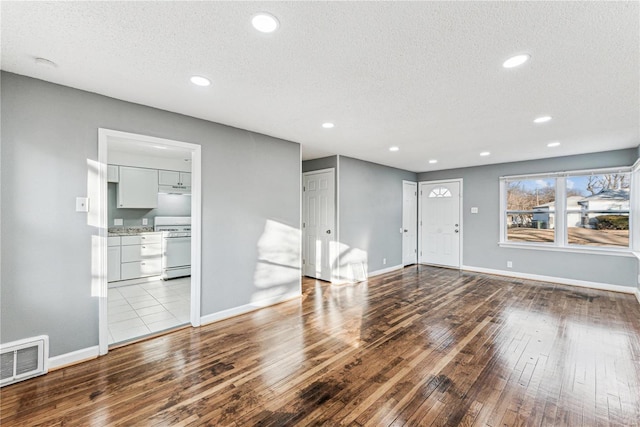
[
  {"x": 328, "y": 125},
  {"x": 553, "y": 144},
  {"x": 516, "y": 60},
  {"x": 46, "y": 62},
  {"x": 542, "y": 119},
  {"x": 265, "y": 22},
  {"x": 485, "y": 153},
  {"x": 433, "y": 161},
  {"x": 394, "y": 148},
  {"x": 200, "y": 81}
]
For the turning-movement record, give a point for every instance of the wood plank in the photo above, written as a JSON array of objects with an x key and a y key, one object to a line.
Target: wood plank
[{"x": 419, "y": 346}]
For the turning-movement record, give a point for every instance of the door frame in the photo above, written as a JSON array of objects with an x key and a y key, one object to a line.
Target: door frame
[
  {"x": 461, "y": 212},
  {"x": 99, "y": 263},
  {"x": 404, "y": 181},
  {"x": 332, "y": 273}
]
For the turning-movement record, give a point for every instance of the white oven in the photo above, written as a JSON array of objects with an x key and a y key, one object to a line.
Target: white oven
[{"x": 176, "y": 245}]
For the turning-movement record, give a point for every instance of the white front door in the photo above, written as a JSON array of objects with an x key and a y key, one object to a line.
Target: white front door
[
  {"x": 318, "y": 223},
  {"x": 440, "y": 226},
  {"x": 409, "y": 223}
]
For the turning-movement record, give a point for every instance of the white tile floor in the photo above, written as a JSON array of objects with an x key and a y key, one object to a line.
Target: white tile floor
[{"x": 138, "y": 310}]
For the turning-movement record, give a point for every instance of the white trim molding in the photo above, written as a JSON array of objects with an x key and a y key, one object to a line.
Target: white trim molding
[
  {"x": 100, "y": 247},
  {"x": 553, "y": 279},
  {"x": 247, "y": 308},
  {"x": 385, "y": 270},
  {"x": 74, "y": 357}
]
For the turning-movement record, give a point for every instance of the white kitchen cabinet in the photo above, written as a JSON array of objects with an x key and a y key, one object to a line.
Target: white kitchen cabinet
[
  {"x": 138, "y": 188},
  {"x": 140, "y": 239},
  {"x": 174, "y": 178},
  {"x": 137, "y": 269},
  {"x": 141, "y": 256},
  {"x": 140, "y": 252},
  {"x": 113, "y": 173},
  {"x": 113, "y": 263}
]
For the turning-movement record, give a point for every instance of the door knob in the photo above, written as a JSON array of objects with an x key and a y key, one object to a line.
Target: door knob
[
  {"x": 456, "y": 231},
  {"x": 406, "y": 231},
  {"x": 328, "y": 231}
]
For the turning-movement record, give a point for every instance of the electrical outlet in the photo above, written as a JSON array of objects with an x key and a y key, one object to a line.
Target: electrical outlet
[
  {"x": 145, "y": 221},
  {"x": 117, "y": 221},
  {"x": 384, "y": 261},
  {"x": 509, "y": 264}
]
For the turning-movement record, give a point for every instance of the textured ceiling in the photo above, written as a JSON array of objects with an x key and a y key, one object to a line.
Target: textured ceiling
[{"x": 424, "y": 76}]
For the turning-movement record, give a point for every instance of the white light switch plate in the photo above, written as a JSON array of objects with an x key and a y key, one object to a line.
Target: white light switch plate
[
  {"x": 474, "y": 210},
  {"x": 117, "y": 221},
  {"x": 82, "y": 204}
]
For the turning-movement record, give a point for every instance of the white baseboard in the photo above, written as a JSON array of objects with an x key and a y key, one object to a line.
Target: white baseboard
[
  {"x": 57, "y": 362},
  {"x": 339, "y": 282},
  {"x": 386, "y": 270},
  {"x": 247, "y": 308},
  {"x": 561, "y": 280}
]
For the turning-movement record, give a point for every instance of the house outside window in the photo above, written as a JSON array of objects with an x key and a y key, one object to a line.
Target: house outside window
[{"x": 582, "y": 210}]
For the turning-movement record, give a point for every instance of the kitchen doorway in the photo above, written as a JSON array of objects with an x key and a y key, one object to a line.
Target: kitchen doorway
[{"x": 150, "y": 204}]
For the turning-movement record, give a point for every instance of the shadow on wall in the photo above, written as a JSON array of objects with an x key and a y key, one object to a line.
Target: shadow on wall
[{"x": 278, "y": 272}]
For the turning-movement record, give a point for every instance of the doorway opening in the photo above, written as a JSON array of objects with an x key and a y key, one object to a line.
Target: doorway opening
[
  {"x": 150, "y": 226},
  {"x": 318, "y": 224},
  {"x": 409, "y": 223}
]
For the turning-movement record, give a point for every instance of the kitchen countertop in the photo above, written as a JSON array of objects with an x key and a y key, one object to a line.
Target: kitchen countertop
[{"x": 129, "y": 231}]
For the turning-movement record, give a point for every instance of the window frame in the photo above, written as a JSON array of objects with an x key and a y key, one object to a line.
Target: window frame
[{"x": 561, "y": 231}]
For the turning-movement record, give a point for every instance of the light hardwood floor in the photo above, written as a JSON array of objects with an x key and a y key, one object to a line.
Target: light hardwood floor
[{"x": 418, "y": 347}]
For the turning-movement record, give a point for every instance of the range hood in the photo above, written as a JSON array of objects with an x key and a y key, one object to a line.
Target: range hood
[{"x": 174, "y": 189}]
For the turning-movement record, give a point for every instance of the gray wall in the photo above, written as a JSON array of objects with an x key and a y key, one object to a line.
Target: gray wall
[
  {"x": 370, "y": 210},
  {"x": 250, "y": 205},
  {"x": 318, "y": 164},
  {"x": 482, "y": 230}
]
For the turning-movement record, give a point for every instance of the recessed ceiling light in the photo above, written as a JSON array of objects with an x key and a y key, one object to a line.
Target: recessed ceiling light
[
  {"x": 542, "y": 119},
  {"x": 394, "y": 148},
  {"x": 516, "y": 60},
  {"x": 485, "y": 153},
  {"x": 433, "y": 161},
  {"x": 553, "y": 144},
  {"x": 46, "y": 62},
  {"x": 327, "y": 125},
  {"x": 265, "y": 22},
  {"x": 200, "y": 81}
]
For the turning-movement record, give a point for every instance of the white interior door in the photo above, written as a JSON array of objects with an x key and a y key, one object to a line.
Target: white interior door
[
  {"x": 409, "y": 222},
  {"x": 440, "y": 226},
  {"x": 318, "y": 222}
]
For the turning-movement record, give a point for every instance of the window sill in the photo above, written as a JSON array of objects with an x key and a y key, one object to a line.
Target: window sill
[{"x": 571, "y": 249}]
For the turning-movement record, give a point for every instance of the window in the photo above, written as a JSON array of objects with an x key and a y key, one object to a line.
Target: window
[
  {"x": 581, "y": 210},
  {"x": 440, "y": 192},
  {"x": 598, "y": 209},
  {"x": 531, "y": 210}
]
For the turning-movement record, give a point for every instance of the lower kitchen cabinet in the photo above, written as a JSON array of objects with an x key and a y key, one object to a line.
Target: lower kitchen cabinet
[
  {"x": 134, "y": 270},
  {"x": 135, "y": 257}
]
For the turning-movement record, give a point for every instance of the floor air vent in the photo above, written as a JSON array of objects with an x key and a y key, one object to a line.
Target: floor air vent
[{"x": 20, "y": 360}]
